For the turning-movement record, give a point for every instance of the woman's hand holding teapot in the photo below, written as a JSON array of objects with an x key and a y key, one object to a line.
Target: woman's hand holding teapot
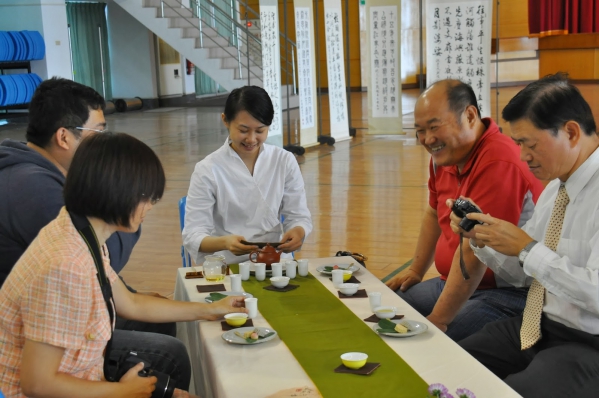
[
  {"x": 234, "y": 245},
  {"x": 292, "y": 240}
]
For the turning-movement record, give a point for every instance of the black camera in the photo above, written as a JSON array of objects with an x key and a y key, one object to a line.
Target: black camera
[
  {"x": 165, "y": 386},
  {"x": 461, "y": 207}
]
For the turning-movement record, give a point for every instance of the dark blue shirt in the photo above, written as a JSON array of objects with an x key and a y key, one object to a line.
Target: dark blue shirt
[{"x": 31, "y": 195}]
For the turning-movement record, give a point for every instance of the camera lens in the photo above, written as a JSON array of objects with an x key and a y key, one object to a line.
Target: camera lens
[
  {"x": 467, "y": 224},
  {"x": 163, "y": 387}
]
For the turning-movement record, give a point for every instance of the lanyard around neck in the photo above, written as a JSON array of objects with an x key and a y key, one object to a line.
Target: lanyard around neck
[{"x": 89, "y": 237}]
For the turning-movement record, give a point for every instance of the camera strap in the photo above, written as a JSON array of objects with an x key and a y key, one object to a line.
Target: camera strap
[
  {"x": 462, "y": 263},
  {"x": 89, "y": 237}
]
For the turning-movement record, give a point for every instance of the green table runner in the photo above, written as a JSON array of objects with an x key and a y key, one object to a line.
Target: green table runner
[{"x": 318, "y": 328}]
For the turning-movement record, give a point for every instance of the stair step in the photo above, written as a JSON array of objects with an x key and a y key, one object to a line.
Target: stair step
[
  {"x": 208, "y": 30},
  {"x": 229, "y": 62},
  {"x": 191, "y": 32},
  {"x": 217, "y": 52},
  {"x": 158, "y": 3},
  {"x": 255, "y": 72},
  {"x": 208, "y": 42},
  {"x": 151, "y": 3},
  {"x": 180, "y": 22},
  {"x": 254, "y": 81},
  {"x": 211, "y": 42},
  {"x": 172, "y": 3},
  {"x": 178, "y": 12},
  {"x": 211, "y": 39}
]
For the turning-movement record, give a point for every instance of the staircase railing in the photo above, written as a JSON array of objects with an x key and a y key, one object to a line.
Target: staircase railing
[
  {"x": 243, "y": 45},
  {"x": 291, "y": 46}
]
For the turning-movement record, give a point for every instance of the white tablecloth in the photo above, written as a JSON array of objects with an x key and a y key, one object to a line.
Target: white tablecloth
[{"x": 225, "y": 370}]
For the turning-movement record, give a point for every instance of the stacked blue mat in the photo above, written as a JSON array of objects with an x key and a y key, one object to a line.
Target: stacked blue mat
[
  {"x": 15, "y": 46},
  {"x": 18, "y": 89},
  {"x": 25, "y": 45}
]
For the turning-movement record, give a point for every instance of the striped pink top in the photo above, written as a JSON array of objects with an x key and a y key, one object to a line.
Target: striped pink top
[{"x": 53, "y": 296}]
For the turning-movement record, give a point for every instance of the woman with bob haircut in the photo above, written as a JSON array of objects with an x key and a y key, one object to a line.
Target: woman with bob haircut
[
  {"x": 57, "y": 321},
  {"x": 239, "y": 192}
]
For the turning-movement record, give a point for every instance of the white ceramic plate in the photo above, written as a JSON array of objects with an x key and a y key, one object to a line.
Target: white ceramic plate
[
  {"x": 415, "y": 328},
  {"x": 231, "y": 337},
  {"x": 244, "y": 294},
  {"x": 344, "y": 266}
]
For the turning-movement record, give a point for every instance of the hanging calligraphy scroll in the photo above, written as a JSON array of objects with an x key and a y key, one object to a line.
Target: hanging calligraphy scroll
[
  {"x": 271, "y": 66},
  {"x": 384, "y": 67},
  {"x": 336, "y": 69},
  {"x": 384, "y": 84},
  {"x": 306, "y": 71},
  {"x": 458, "y": 45}
]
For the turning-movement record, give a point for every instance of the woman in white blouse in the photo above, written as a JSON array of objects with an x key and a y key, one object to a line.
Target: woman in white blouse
[{"x": 240, "y": 191}]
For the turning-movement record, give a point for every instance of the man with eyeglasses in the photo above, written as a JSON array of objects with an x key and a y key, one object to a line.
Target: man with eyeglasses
[{"x": 32, "y": 175}]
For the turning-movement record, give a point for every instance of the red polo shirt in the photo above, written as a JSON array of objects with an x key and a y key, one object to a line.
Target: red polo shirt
[{"x": 494, "y": 177}]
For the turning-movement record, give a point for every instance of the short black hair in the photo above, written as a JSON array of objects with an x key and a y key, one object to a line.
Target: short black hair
[
  {"x": 110, "y": 175},
  {"x": 60, "y": 103},
  {"x": 549, "y": 103},
  {"x": 460, "y": 96},
  {"x": 252, "y": 99}
]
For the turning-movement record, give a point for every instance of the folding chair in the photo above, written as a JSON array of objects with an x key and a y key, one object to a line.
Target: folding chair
[{"x": 185, "y": 257}]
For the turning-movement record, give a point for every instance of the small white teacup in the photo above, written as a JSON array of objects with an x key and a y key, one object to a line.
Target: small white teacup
[
  {"x": 279, "y": 281},
  {"x": 277, "y": 269},
  {"x": 385, "y": 312},
  {"x": 349, "y": 289}
]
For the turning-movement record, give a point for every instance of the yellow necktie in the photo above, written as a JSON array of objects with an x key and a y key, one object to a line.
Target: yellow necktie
[{"x": 530, "y": 333}]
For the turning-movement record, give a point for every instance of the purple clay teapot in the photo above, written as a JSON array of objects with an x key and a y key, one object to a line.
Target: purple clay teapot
[{"x": 266, "y": 255}]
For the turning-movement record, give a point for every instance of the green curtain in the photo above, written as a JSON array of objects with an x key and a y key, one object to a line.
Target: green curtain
[
  {"x": 89, "y": 45},
  {"x": 204, "y": 83}
]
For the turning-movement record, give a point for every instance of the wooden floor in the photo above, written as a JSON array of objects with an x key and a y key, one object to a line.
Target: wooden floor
[{"x": 366, "y": 195}]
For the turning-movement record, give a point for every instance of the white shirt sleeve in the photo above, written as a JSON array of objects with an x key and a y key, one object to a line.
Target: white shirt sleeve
[
  {"x": 199, "y": 211},
  {"x": 294, "y": 206},
  {"x": 560, "y": 275},
  {"x": 506, "y": 267}
]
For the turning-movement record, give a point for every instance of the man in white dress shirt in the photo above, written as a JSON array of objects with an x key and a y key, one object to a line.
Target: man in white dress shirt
[
  {"x": 552, "y": 350},
  {"x": 239, "y": 192}
]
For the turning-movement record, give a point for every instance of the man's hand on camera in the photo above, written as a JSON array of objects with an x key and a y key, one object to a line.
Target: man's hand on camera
[
  {"x": 135, "y": 386},
  {"x": 404, "y": 280},
  {"x": 455, "y": 220},
  {"x": 502, "y": 236}
]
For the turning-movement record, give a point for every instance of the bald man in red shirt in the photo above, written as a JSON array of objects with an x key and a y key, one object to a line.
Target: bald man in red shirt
[{"x": 470, "y": 157}]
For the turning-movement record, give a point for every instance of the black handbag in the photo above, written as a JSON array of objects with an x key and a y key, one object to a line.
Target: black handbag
[{"x": 356, "y": 256}]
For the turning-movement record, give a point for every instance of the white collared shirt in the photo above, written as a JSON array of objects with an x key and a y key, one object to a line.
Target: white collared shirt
[
  {"x": 570, "y": 275},
  {"x": 225, "y": 199}
]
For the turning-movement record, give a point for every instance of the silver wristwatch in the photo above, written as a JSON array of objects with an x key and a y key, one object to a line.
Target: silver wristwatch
[{"x": 524, "y": 252}]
